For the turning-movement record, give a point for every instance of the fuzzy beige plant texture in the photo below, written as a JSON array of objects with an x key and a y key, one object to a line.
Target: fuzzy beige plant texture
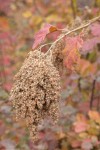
[
  {"x": 36, "y": 91},
  {"x": 57, "y": 55}
]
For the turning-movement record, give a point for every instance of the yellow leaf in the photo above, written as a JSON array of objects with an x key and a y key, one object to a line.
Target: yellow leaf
[
  {"x": 54, "y": 18},
  {"x": 27, "y": 14},
  {"x": 61, "y": 135},
  {"x": 94, "y": 115},
  {"x": 83, "y": 135},
  {"x": 93, "y": 131},
  {"x": 36, "y": 20}
]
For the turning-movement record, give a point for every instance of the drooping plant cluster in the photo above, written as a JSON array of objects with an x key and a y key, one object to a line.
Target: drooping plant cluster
[
  {"x": 78, "y": 128},
  {"x": 37, "y": 86},
  {"x": 36, "y": 91}
]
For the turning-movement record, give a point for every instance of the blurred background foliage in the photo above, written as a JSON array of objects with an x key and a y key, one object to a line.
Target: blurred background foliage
[{"x": 78, "y": 127}]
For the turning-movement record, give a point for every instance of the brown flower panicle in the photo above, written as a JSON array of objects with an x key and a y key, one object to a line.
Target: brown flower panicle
[{"x": 36, "y": 91}]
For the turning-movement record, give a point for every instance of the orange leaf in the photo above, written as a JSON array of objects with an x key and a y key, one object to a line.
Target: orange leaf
[
  {"x": 4, "y": 25},
  {"x": 94, "y": 115},
  {"x": 81, "y": 117},
  {"x": 85, "y": 67},
  {"x": 52, "y": 29},
  {"x": 71, "y": 52}
]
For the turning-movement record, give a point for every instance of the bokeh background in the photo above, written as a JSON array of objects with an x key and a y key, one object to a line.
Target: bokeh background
[{"x": 19, "y": 20}]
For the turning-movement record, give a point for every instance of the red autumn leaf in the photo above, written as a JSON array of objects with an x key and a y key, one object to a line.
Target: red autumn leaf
[
  {"x": 8, "y": 71},
  {"x": 80, "y": 126},
  {"x": 6, "y": 40},
  {"x": 2, "y": 127},
  {"x": 71, "y": 51},
  {"x": 6, "y": 60},
  {"x": 40, "y": 36},
  {"x": 81, "y": 123},
  {"x": 5, "y": 6},
  {"x": 89, "y": 44},
  {"x": 75, "y": 144},
  {"x": 7, "y": 86},
  {"x": 95, "y": 29}
]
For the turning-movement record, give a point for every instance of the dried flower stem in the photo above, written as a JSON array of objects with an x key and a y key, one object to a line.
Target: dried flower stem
[{"x": 43, "y": 45}]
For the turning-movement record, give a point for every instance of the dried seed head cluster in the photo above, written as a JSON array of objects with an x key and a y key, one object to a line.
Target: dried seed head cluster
[
  {"x": 36, "y": 91},
  {"x": 57, "y": 54}
]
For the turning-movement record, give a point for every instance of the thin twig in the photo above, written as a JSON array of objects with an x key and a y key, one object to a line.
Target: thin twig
[
  {"x": 44, "y": 45},
  {"x": 98, "y": 103},
  {"x": 92, "y": 93},
  {"x": 79, "y": 85}
]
